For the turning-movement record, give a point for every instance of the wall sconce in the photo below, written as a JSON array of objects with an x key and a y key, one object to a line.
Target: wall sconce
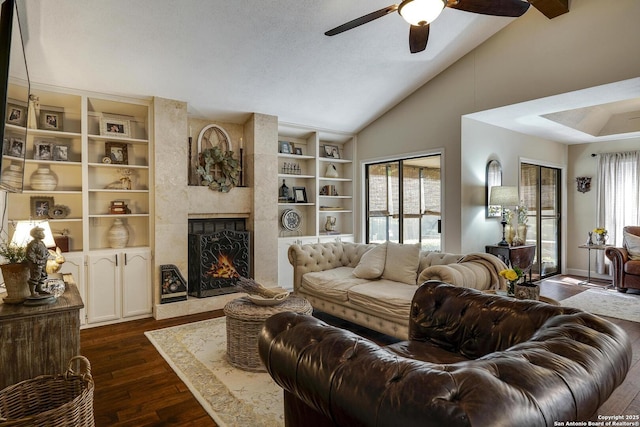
[{"x": 584, "y": 183}]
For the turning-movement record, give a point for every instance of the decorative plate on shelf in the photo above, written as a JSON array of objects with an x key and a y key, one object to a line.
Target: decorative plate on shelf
[{"x": 291, "y": 219}]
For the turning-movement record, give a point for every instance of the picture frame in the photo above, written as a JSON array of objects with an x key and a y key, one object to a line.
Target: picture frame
[
  {"x": 115, "y": 127},
  {"x": 51, "y": 120},
  {"x": 59, "y": 211},
  {"x": 298, "y": 151},
  {"x": 41, "y": 206},
  {"x": 299, "y": 195},
  {"x": 15, "y": 147},
  {"x": 284, "y": 147},
  {"x": 61, "y": 152},
  {"x": 43, "y": 150},
  {"x": 117, "y": 152},
  {"x": 332, "y": 151},
  {"x": 16, "y": 114}
]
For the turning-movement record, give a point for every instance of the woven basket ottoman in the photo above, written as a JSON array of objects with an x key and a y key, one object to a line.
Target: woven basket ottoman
[{"x": 244, "y": 323}]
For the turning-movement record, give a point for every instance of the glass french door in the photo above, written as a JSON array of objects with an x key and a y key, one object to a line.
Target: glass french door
[
  {"x": 540, "y": 191},
  {"x": 403, "y": 201}
]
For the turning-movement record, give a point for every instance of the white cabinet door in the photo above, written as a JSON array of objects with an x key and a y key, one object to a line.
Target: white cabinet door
[
  {"x": 74, "y": 265},
  {"x": 136, "y": 282},
  {"x": 103, "y": 290}
]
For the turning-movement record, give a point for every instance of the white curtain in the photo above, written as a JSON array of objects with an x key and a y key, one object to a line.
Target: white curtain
[{"x": 618, "y": 203}]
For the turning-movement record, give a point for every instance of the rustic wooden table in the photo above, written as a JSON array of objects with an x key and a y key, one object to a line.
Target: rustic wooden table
[{"x": 39, "y": 340}]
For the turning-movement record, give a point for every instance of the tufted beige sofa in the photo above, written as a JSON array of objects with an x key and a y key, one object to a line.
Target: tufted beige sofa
[{"x": 323, "y": 274}]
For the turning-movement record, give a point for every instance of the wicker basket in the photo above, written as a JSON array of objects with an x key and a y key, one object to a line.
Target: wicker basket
[{"x": 60, "y": 400}]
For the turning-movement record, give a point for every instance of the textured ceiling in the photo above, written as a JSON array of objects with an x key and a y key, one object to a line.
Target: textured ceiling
[
  {"x": 227, "y": 59},
  {"x": 230, "y": 58}
]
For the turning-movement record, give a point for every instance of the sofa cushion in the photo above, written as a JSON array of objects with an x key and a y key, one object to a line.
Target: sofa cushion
[
  {"x": 371, "y": 264},
  {"x": 402, "y": 262},
  {"x": 384, "y": 297},
  {"x": 632, "y": 243},
  {"x": 331, "y": 284}
]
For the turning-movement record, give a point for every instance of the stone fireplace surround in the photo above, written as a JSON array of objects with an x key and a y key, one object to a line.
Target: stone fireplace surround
[{"x": 175, "y": 201}]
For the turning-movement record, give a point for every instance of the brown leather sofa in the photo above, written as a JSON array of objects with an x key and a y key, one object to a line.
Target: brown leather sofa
[
  {"x": 626, "y": 272},
  {"x": 472, "y": 359}
]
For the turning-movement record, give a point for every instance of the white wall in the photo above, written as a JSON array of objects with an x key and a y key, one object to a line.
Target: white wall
[
  {"x": 582, "y": 206},
  {"x": 534, "y": 57},
  {"x": 480, "y": 143}
]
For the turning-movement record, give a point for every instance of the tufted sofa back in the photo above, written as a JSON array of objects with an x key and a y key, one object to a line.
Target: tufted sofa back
[
  {"x": 325, "y": 256},
  {"x": 475, "y": 324}
]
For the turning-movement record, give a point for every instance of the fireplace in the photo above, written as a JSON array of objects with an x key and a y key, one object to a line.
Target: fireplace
[{"x": 219, "y": 254}]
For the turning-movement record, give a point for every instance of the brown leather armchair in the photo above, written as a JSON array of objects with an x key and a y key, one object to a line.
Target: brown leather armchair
[
  {"x": 472, "y": 359},
  {"x": 626, "y": 272}
]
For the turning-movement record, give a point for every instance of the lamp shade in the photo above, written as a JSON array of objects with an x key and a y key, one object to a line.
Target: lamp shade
[
  {"x": 420, "y": 12},
  {"x": 504, "y": 196},
  {"x": 22, "y": 236}
]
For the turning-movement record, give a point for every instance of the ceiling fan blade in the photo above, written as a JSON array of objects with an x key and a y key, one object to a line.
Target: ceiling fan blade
[
  {"x": 512, "y": 8},
  {"x": 418, "y": 37},
  {"x": 362, "y": 20}
]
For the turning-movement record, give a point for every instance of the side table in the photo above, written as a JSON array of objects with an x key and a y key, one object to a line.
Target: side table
[
  {"x": 589, "y": 248},
  {"x": 244, "y": 323},
  {"x": 518, "y": 256}
]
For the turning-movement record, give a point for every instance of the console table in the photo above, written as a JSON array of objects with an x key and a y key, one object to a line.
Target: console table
[
  {"x": 518, "y": 256},
  {"x": 39, "y": 340}
]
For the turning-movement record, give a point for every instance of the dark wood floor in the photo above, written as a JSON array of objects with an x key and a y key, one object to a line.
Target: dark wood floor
[{"x": 136, "y": 387}]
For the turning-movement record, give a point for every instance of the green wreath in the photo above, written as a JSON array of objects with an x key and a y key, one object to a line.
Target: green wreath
[{"x": 218, "y": 169}]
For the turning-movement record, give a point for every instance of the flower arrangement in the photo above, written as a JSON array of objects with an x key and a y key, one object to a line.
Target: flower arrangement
[
  {"x": 513, "y": 276},
  {"x": 601, "y": 235},
  {"x": 601, "y": 231},
  {"x": 521, "y": 211},
  {"x": 13, "y": 254}
]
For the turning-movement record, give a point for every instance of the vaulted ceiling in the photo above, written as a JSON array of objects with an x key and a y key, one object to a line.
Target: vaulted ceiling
[{"x": 228, "y": 59}]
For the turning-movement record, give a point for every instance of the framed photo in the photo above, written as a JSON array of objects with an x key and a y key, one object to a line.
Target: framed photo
[
  {"x": 15, "y": 147},
  {"x": 61, "y": 152},
  {"x": 284, "y": 147},
  {"x": 117, "y": 152},
  {"x": 41, "y": 207},
  {"x": 43, "y": 150},
  {"x": 115, "y": 127},
  {"x": 298, "y": 151},
  {"x": 299, "y": 195},
  {"x": 331, "y": 151},
  {"x": 59, "y": 211},
  {"x": 16, "y": 114},
  {"x": 51, "y": 120}
]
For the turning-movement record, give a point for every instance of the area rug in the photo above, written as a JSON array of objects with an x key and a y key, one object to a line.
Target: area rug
[
  {"x": 232, "y": 397},
  {"x": 607, "y": 302}
]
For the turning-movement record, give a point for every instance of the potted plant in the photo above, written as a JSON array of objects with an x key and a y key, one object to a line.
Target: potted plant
[{"x": 15, "y": 272}]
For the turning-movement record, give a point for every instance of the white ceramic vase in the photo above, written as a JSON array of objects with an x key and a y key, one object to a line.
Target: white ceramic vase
[
  {"x": 118, "y": 234},
  {"x": 12, "y": 176},
  {"x": 43, "y": 179}
]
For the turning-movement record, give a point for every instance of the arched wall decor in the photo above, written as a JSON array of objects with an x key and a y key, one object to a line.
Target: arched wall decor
[{"x": 493, "y": 178}]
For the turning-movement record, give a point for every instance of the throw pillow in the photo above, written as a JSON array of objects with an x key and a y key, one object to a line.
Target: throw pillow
[
  {"x": 402, "y": 263},
  {"x": 632, "y": 243},
  {"x": 371, "y": 263}
]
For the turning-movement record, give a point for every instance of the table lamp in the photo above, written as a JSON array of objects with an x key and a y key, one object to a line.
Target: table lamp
[
  {"x": 504, "y": 196},
  {"x": 21, "y": 236}
]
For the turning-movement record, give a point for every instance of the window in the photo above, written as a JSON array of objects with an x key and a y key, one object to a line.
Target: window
[{"x": 403, "y": 201}]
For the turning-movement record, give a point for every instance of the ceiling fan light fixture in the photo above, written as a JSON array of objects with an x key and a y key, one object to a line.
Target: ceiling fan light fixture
[{"x": 420, "y": 12}]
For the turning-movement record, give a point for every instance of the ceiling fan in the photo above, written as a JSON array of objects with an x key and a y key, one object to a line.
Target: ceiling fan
[{"x": 420, "y": 13}]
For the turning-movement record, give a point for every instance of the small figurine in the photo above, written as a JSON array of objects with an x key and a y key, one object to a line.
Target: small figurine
[{"x": 37, "y": 255}]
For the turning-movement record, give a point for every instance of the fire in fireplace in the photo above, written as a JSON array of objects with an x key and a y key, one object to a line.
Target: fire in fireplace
[{"x": 219, "y": 254}]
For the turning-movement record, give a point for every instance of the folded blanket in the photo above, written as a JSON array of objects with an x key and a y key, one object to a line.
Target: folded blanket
[{"x": 475, "y": 270}]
